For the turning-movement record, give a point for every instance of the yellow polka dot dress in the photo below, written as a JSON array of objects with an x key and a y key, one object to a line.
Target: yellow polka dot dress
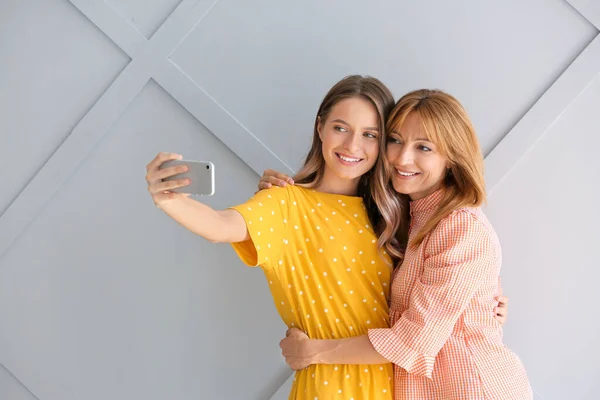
[{"x": 327, "y": 277}]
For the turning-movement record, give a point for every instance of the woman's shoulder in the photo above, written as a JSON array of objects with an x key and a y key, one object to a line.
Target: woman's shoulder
[
  {"x": 465, "y": 224},
  {"x": 275, "y": 192},
  {"x": 464, "y": 235},
  {"x": 310, "y": 193}
]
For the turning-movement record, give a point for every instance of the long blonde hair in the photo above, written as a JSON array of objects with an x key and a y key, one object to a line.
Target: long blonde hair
[
  {"x": 447, "y": 125},
  {"x": 376, "y": 93}
]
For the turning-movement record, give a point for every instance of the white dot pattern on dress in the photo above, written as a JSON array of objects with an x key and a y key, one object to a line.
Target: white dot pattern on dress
[{"x": 294, "y": 246}]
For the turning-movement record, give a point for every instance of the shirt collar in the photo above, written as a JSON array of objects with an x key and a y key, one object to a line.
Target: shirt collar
[{"x": 428, "y": 202}]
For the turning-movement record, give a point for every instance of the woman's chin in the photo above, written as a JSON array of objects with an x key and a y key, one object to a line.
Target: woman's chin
[{"x": 400, "y": 187}]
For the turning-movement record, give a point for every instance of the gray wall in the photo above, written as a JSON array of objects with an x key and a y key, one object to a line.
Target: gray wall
[{"x": 102, "y": 296}]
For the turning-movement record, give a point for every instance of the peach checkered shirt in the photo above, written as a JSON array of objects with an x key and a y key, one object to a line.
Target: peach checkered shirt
[{"x": 445, "y": 342}]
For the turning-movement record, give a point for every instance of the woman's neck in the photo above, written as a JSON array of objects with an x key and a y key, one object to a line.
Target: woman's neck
[{"x": 335, "y": 185}]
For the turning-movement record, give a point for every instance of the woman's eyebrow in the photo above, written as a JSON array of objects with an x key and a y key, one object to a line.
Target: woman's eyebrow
[{"x": 345, "y": 123}]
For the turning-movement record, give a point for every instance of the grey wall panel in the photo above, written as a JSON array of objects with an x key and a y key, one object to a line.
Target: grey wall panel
[
  {"x": 546, "y": 214},
  {"x": 284, "y": 391},
  {"x": 11, "y": 388},
  {"x": 590, "y": 9},
  {"x": 270, "y": 63},
  {"x": 147, "y": 16},
  {"x": 55, "y": 65},
  {"x": 118, "y": 301}
]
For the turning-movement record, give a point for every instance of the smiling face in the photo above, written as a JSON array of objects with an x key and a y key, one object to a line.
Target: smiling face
[
  {"x": 350, "y": 143},
  {"x": 419, "y": 168}
]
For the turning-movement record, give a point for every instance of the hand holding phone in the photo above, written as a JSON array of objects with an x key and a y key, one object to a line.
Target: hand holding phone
[{"x": 201, "y": 175}]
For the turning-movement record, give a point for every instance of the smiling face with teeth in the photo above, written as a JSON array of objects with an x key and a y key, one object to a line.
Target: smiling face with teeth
[
  {"x": 350, "y": 143},
  {"x": 419, "y": 169}
]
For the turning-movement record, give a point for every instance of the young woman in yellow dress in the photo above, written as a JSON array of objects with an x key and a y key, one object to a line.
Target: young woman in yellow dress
[{"x": 316, "y": 241}]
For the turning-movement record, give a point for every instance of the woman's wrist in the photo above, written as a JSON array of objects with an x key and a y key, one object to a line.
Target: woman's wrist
[
  {"x": 319, "y": 350},
  {"x": 354, "y": 350}
]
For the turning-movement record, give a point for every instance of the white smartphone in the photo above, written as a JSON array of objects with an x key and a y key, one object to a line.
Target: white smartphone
[{"x": 200, "y": 173}]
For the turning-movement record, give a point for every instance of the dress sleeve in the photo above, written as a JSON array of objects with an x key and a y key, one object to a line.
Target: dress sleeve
[
  {"x": 266, "y": 217},
  {"x": 459, "y": 254}
]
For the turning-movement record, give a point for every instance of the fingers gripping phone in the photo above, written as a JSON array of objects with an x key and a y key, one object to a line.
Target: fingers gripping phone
[{"x": 200, "y": 173}]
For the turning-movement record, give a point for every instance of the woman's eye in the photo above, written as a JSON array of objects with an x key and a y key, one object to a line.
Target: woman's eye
[
  {"x": 424, "y": 148},
  {"x": 339, "y": 128},
  {"x": 393, "y": 140},
  {"x": 370, "y": 135}
]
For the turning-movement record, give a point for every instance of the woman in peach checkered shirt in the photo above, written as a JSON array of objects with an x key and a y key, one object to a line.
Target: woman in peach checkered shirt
[{"x": 444, "y": 342}]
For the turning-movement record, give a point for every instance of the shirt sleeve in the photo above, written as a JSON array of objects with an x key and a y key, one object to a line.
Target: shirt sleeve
[
  {"x": 458, "y": 255},
  {"x": 266, "y": 217}
]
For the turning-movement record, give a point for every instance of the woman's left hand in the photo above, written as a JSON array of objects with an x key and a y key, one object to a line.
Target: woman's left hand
[
  {"x": 295, "y": 349},
  {"x": 501, "y": 312}
]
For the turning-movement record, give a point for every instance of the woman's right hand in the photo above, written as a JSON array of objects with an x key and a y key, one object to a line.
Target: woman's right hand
[
  {"x": 271, "y": 177},
  {"x": 161, "y": 190}
]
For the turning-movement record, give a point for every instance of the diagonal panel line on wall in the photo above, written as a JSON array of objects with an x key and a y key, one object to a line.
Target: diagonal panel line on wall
[
  {"x": 220, "y": 122},
  {"x": 70, "y": 155},
  {"x": 186, "y": 16},
  {"x": 201, "y": 9},
  {"x": 284, "y": 390},
  {"x": 119, "y": 30},
  {"x": 589, "y": 9},
  {"x": 25, "y": 388},
  {"x": 504, "y": 158}
]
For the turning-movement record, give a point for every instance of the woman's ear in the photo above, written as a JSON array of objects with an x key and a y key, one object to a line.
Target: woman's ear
[{"x": 319, "y": 127}]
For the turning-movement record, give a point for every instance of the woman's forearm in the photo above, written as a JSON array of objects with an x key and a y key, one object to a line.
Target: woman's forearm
[
  {"x": 216, "y": 226},
  {"x": 356, "y": 350}
]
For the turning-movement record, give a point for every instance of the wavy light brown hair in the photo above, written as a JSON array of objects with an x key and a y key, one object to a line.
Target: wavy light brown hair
[
  {"x": 376, "y": 93},
  {"x": 447, "y": 125}
]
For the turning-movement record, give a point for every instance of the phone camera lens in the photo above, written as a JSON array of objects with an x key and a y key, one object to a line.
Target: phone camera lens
[{"x": 208, "y": 167}]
